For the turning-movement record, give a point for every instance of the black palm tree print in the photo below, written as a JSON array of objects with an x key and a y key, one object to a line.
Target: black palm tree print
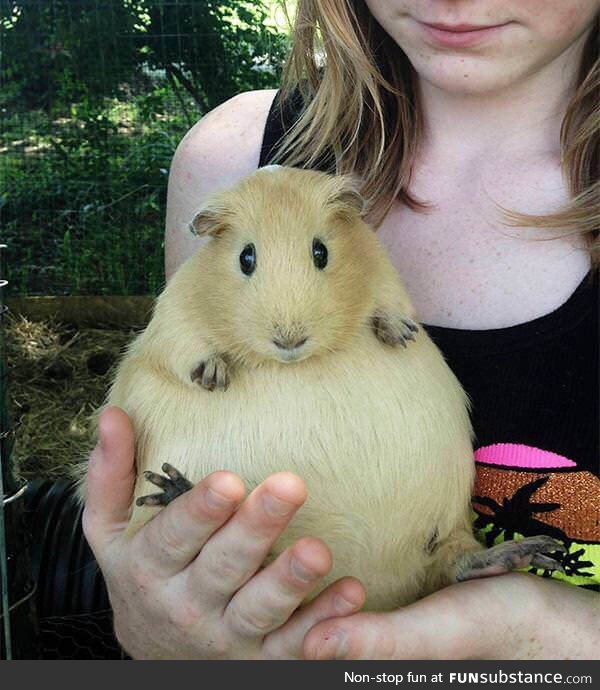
[
  {"x": 571, "y": 563},
  {"x": 516, "y": 514}
]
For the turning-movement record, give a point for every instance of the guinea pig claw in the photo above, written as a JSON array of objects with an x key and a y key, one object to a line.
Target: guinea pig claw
[
  {"x": 509, "y": 556},
  {"x": 156, "y": 479},
  {"x": 151, "y": 500},
  {"x": 211, "y": 374},
  {"x": 546, "y": 563},
  {"x": 412, "y": 326},
  {"x": 392, "y": 329},
  {"x": 173, "y": 486}
]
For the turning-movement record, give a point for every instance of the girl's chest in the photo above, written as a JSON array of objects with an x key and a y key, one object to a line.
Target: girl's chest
[{"x": 465, "y": 267}]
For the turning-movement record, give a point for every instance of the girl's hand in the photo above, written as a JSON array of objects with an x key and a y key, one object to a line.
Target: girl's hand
[
  {"x": 516, "y": 616},
  {"x": 189, "y": 584}
]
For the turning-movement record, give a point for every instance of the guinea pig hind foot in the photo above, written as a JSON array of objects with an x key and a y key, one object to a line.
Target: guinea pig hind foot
[
  {"x": 392, "y": 328},
  {"x": 173, "y": 485},
  {"x": 509, "y": 556},
  {"x": 212, "y": 374}
]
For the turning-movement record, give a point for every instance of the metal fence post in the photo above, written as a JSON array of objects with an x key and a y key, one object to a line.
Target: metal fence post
[
  {"x": 5, "y": 604},
  {"x": 18, "y": 629}
]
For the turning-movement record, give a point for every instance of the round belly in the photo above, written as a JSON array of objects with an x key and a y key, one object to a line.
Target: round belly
[{"x": 380, "y": 437}]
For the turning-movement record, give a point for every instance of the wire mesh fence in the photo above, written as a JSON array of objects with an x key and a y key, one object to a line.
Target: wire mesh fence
[{"x": 96, "y": 94}]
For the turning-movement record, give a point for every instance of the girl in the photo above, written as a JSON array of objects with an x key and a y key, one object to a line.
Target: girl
[{"x": 474, "y": 129}]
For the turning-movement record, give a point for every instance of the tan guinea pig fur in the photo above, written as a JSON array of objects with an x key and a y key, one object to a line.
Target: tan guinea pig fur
[{"x": 380, "y": 434}]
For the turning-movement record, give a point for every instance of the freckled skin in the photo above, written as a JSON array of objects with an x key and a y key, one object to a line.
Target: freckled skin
[{"x": 538, "y": 31}]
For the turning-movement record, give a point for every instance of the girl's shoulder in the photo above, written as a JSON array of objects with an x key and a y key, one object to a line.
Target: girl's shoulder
[
  {"x": 220, "y": 149},
  {"x": 226, "y": 142}
]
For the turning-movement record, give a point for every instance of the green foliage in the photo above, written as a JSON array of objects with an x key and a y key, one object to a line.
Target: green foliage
[
  {"x": 96, "y": 95},
  {"x": 59, "y": 51},
  {"x": 215, "y": 48},
  {"x": 55, "y": 52},
  {"x": 84, "y": 203}
]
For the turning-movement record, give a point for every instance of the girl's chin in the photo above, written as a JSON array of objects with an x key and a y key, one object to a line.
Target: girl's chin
[{"x": 467, "y": 76}]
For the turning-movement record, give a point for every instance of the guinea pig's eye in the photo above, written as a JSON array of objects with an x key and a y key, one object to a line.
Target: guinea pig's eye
[
  {"x": 319, "y": 252},
  {"x": 248, "y": 259}
]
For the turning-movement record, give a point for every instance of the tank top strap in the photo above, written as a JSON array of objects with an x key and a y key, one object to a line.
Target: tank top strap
[
  {"x": 279, "y": 121},
  {"x": 281, "y": 118}
]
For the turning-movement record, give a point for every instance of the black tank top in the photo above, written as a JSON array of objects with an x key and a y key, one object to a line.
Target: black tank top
[{"x": 535, "y": 392}]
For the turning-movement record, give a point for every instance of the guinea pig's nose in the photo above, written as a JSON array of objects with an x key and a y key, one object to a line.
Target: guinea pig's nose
[{"x": 289, "y": 343}]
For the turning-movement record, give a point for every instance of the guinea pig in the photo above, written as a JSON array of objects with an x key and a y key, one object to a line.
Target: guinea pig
[{"x": 288, "y": 342}]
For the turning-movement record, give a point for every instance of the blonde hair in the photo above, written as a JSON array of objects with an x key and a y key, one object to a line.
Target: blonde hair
[{"x": 361, "y": 113}]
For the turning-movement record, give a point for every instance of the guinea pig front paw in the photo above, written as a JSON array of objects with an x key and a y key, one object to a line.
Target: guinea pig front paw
[
  {"x": 212, "y": 374},
  {"x": 393, "y": 329}
]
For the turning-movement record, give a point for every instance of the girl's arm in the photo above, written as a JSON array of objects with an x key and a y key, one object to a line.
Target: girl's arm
[{"x": 516, "y": 616}]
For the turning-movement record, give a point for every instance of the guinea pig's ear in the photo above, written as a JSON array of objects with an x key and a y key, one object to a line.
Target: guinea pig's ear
[
  {"x": 208, "y": 221},
  {"x": 346, "y": 195}
]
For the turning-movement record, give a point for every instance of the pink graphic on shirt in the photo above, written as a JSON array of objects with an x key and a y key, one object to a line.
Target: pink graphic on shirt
[{"x": 518, "y": 455}]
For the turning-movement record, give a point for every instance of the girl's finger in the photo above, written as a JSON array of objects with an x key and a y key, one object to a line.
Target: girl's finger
[
  {"x": 342, "y": 598},
  {"x": 270, "y": 597},
  {"x": 110, "y": 480},
  {"x": 237, "y": 550},
  {"x": 169, "y": 542},
  {"x": 361, "y": 636}
]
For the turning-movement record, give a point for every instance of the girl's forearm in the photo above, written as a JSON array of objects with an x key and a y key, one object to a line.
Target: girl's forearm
[{"x": 570, "y": 623}]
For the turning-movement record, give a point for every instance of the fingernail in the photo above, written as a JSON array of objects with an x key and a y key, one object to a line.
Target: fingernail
[
  {"x": 276, "y": 507},
  {"x": 343, "y": 606},
  {"x": 301, "y": 572},
  {"x": 216, "y": 500}
]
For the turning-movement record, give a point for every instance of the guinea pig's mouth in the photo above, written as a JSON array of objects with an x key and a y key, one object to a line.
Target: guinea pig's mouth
[{"x": 290, "y": 350}]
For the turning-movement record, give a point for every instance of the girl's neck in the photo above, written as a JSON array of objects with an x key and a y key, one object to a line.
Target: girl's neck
[{"x": 525, "y": 115}]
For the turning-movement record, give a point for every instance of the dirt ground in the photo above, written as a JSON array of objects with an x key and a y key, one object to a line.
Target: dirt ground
[{"x": 58, "y": 375}]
